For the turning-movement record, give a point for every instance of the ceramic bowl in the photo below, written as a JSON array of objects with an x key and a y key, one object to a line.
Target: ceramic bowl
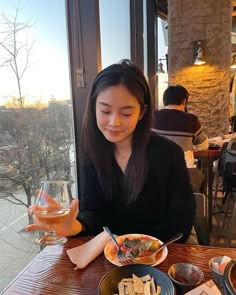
[
  {"x": 186, "y": 276},
  {"x": 218, "y": 274},
  {"x": 109, "y": 282}
]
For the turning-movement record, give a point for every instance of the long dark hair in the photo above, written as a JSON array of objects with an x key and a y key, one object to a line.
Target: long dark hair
[{"x": 99, "y": 150}]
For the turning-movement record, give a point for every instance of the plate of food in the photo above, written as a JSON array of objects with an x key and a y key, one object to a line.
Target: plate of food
[
  {"x": 135, "y": 279},
  {"x": 135, "y": 245}
]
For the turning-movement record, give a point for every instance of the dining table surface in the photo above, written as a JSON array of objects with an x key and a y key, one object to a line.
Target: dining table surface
[{"x": 52, "y": 272}]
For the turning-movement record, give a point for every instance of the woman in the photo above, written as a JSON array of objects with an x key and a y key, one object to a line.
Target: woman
[{"x": 130, "y": 179}]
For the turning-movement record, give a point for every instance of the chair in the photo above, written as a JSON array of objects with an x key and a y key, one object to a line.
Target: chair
[
  {"x": 230, "y": 217},
  {"x": 227, "y": 170},
  {"x": 230, "y": 201},
  {"x": 218, "y": 173},
  {"x": 217, "y": 185},
  {"x": 200, "y": 221}
]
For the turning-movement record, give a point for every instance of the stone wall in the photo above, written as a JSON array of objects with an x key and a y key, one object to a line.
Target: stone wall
[{"x": 208, "y": 21}]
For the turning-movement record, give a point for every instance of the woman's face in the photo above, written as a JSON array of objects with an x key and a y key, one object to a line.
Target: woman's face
[{"x": 117, "y": 113}]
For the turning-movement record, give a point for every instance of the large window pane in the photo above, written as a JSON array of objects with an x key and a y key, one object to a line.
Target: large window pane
[
  {"x": 115, "y": 30},
  {"x": 162, "y": 46},
  {"x": 36, "y": 124}
]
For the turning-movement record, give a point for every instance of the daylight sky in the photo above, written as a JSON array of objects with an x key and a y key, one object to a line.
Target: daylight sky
[{"x": 48, "y": 74}]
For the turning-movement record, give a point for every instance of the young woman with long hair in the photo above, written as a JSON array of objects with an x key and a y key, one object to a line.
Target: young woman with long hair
[{"x": 131, "y": 179}]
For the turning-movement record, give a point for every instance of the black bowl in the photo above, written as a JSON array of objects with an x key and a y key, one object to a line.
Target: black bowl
[
  {"x": 109, "y": 282},
  {"x": 230, "y": 277}
]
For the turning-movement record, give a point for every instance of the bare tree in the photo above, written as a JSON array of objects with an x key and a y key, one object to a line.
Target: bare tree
[
  {"x": 33, "y": 147},
  {"x": 15, "y": 47},
  {"x": 36, "y": 141}
]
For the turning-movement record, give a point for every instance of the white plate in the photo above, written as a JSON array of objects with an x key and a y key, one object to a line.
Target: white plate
[{"x": 110, "y": 249}]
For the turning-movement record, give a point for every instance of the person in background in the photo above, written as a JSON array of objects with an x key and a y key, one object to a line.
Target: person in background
[
  {"x": 131, "y": 179},
  {"x": 176, "y": 124},
  {"x": 232, "y": 119}
]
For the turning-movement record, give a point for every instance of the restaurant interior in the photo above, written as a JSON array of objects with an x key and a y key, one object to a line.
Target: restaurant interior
[
  {"x": 193, "y": 32},
  {"x": 198, "y": 53}
]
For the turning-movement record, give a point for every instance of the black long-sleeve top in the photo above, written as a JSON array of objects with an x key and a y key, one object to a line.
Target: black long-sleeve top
[{"x": 164, "y": 207}]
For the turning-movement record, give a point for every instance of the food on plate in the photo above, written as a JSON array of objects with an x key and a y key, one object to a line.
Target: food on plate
[
  {"x": 138, "y": 285},
  {"x": 138, "y": 247}
]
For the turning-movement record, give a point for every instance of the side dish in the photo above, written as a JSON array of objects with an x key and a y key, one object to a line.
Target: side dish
[{"x": 138, "y": 285}]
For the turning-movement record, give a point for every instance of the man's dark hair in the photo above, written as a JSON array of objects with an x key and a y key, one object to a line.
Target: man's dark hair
[{"x": 175, "y": 94}]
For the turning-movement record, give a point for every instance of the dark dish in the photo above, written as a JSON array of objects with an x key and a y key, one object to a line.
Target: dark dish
[
  {"x": 109, "y": 283},
  {"x": 230, "y": 277},
  {"x": 185, "y": 276}
]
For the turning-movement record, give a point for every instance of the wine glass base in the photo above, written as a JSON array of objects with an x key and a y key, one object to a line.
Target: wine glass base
[{"x": 51, "y": 240}]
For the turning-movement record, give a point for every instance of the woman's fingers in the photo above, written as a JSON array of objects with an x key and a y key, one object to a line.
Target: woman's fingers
[
  {"x": 31, "y": 227},
  {"x": 50, "y": 208},
  {"x": 74, "y": 206},
  {"x": 62, "y": 228},
  {"x": 35, "y": 208},
  {"x": 47, "y": 197},
  {"x": 37, "y": 225},
  {"x": 51, "y": 203}
]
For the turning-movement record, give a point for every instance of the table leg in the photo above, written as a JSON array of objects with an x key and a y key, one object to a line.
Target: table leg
[{"x": 210, "y": 182}]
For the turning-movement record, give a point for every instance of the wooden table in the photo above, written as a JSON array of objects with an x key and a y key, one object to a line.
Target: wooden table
[
  {"x": 206, "y": 158},
  {"x": 52, "y": 272}
]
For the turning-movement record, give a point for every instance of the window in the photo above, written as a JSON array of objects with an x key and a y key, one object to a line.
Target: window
[
  {"x": 115, "y": 31},
  {"x": 162, "y": 45},
  {"x": 36, "y": 123}
]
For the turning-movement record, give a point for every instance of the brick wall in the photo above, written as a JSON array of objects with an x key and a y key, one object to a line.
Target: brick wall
[{"x": 209, "y": 21}]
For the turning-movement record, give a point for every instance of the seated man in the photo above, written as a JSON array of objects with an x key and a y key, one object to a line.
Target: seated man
[{"x": 184, "y": 128}]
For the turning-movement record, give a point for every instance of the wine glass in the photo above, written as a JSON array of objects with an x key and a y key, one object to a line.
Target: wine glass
[{"x": 52, "y": 207}]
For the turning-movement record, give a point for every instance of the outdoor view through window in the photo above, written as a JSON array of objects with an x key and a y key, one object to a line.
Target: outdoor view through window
[{"x": 36, "y": 124}]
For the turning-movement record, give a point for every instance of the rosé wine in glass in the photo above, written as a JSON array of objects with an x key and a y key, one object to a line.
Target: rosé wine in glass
[{"x": 52, "y": 207}]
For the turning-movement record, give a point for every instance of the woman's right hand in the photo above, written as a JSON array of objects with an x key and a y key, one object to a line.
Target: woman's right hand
[{"x": 70, "y": 227}]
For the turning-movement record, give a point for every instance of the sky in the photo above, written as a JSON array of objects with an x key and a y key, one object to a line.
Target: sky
[
  {"x": 48, "y": 74},
  {"x": 114, "y": 49}
]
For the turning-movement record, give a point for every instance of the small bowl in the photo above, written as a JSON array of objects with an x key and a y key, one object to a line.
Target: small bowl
[
  {"x": 186, "y": 276},
  {"x": 109, "y": 282},
  {"x": 217, "y": 275}
]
